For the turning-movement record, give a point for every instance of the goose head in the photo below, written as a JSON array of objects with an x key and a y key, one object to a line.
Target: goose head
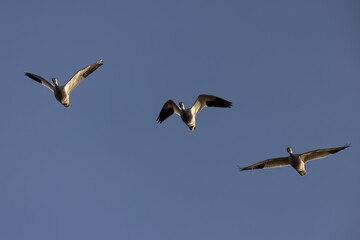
[
  {"x": 55, "y": 82},
  {"x": 289, "y": 150},
  {"x": 182, "y": 105},
  {"x": 65, "y": 102},
  {"x": 192, "y": 128},
  {"x": 302, "y": 173}
]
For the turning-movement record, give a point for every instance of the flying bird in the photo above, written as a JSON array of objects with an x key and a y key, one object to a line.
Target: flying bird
[
  {"x": 297, "y": 161},
  {"x": 62, "y": 93},
  {"x": 188, "y": 115}
]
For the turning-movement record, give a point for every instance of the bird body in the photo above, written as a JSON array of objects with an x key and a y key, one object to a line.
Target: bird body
[
  {"x": 189, "y": 115},
  {"x": 297, "y": 161},
  {"x": 297, "y": 164},
  {"x": 62, "y": 93}
]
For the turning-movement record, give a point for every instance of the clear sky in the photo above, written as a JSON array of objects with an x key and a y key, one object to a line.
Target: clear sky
[{"x": 105, "y": 169}]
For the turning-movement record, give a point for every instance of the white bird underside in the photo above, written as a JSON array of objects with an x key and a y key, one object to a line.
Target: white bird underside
[
  {"x": 188, "y": 115},
  {"x": 304, "y": 158},
  {"x": 62, "y": 93}
]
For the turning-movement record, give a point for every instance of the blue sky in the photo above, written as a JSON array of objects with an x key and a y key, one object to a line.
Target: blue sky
[{"x": 105, "y": 169}]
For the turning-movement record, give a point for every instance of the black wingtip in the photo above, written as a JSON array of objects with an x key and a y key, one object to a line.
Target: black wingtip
[
  {"x": 229, "y": 105},
  {"x": 339, "y": 149},
  {"x": 159, "y": 120},
  {"x": 33, "y": 77},
  {"x": 219, "y": 102},
  {"x": 241, "y": 168},
  {"x": 165, "y": 113}
]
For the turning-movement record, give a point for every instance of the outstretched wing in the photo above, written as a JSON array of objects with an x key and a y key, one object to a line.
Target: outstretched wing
[
  {"x": 269, "y": 163},
  {"x": 40, "y": 80},
  {"x": 209, "y": 101},
  {"x": 80, "y": 75},
  {"x": 320, "y": 153},
  {"x": 167, "y": 110}
]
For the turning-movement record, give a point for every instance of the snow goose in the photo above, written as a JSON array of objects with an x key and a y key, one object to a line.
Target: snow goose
[
  {"x": 188, "y": 115},
  {"x": 297, "y": 161},
  {"x": 62, "y": 93}
]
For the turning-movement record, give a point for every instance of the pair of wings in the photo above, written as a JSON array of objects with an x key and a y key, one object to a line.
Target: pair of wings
[
  {"x": 202, "y": 101},
  {"x": 73, "y": 82},
  {"x": 305, "y": 157}
]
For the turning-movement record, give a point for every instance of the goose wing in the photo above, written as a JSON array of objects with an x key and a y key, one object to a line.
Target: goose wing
[
  {"x": 167, "y": 110},
  {"x": 80, "y": 75},
  {"x": 209, "y": 101},
  {"x": 269, "y": 163},
  {"x": 320, "y": 153},
  {"x": 40, "y": 80}
]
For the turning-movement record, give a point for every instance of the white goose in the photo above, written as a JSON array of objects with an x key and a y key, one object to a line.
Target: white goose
[
  {"x": 188, "y": 115},
  {"x": 62, "y": 93},
  {"x": 297, "y": 161}
]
